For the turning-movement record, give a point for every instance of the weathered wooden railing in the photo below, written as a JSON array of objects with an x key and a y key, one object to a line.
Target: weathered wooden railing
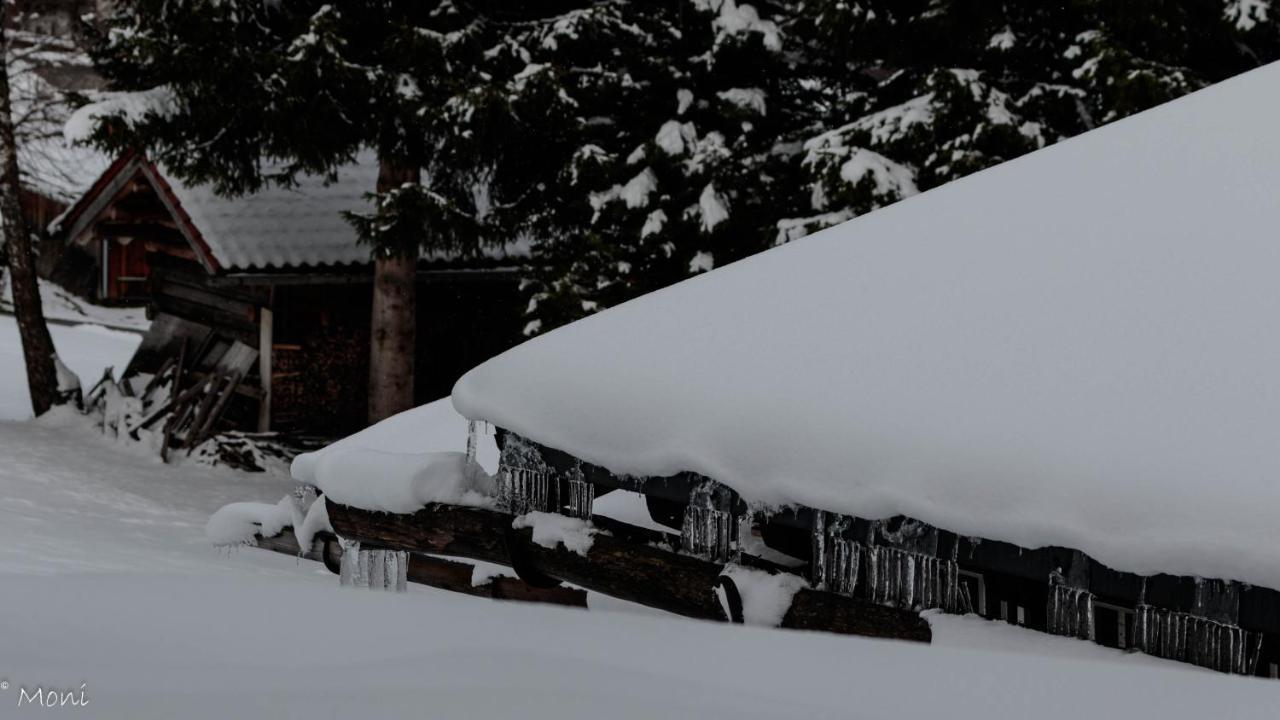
[
  {"x": 434, "y": 572},
  {"x": 623, "y": 562}
]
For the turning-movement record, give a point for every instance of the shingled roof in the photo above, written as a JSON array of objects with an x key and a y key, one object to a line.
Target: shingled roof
[{"x": 275, "y": 228}]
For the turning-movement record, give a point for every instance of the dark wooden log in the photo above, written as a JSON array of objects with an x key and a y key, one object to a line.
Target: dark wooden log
[
  {"x": 632, "y": 571},
  {"x": 434, "y": 572},
  {"x": 814, "y": 610}
]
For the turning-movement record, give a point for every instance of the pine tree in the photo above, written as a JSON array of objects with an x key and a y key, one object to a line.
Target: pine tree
[{"x": 673, "y": 158}]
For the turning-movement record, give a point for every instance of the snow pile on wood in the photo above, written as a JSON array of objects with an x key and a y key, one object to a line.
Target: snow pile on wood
[
  {"x": 551, "y": 530},
  {"x": 241, "y": 523},
  {"x": 766, "y": 597},
  {"x": 402, "y": 482},
  {"x": 238, "y": 523},
  {"x": 404, "y": 463},
  {"x": 1075, "y": 348}
]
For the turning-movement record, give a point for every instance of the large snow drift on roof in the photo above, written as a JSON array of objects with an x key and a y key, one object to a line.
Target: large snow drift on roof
[{"x": 1080, "y": 347}]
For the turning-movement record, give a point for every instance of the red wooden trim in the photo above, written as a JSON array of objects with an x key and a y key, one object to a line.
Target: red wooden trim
[
  {"x": 71, "y": 217},
  {"x": 185, "y": 224}
]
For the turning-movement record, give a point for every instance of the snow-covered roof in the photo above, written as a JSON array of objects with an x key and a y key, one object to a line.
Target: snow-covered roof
[
  {"x": 1080, "y": 347},
  {"x": 274, "y": 228},
  {"x": 283, "y": 227}
]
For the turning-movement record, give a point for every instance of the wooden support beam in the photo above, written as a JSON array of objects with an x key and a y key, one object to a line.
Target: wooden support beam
[
  {"x": 628, "y": 570},
  {"x": 434, "y": 572},
  {"x": 266, "y": 337}
]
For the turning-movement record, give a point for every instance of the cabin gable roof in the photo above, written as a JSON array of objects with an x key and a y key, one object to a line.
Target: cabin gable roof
[{"x": 273, "y": 229}]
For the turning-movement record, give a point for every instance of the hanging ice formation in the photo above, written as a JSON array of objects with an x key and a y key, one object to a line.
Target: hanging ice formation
[
  {"x": 376, "y": 569},
  {"x": 1200, "y": 641},
  {"x": 836, "y": 558},
  {"x": 894, "y": 577},
  {"x": 471, "y": 440},
  {"x": 1070, "y": 610},
  {"x": 911, "y": 581},
  {"x": 582, "y": 494},
  {"x": 708, "y": 528},
  {"x": 525, "y": 482}
]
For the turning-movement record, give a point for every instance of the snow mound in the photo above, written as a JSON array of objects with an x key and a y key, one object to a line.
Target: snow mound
[
  {"x": 552, "y": 529},
  {"x": 766, "y": 597},
  {"x": 238, "y": 523},
  {"x": 1074, "y": 348}
]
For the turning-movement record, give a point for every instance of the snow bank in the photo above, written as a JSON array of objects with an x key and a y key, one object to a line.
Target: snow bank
[
  {"x": 552, "y": 529},
  {"x": 766, "y": 597},
  {"x": 1074, "y": 348}
]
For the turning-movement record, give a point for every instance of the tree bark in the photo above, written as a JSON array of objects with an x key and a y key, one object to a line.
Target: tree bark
[
  {"x": 393, "y": 329},
  {"x": 37, "y": 345},
  {"x": 632, "y": 571}
]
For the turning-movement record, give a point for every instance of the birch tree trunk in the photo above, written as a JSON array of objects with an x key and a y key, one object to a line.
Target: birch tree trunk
[
  {"x": 37, "y": 345},
  {"x": 394, "y": 327}
]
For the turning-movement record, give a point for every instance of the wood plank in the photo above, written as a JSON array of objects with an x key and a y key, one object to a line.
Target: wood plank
[{"x": 164, "y": 285}]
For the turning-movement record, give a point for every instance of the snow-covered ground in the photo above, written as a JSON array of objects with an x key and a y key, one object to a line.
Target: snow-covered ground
[
  {"x": 109, "y": 587},
  {"x": 65, "y": 308},
  {"x": 86, "y": 349},
  {"x": 107, "y": 582}
]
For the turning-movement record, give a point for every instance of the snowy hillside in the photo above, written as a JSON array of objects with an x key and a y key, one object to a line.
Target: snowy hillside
[{"x": 1075, "y": 348}]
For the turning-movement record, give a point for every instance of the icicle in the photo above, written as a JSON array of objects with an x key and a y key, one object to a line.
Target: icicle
[
  {"x": 836, "y": 559},
  {"x": 582, "y": 495},
  {"x": 819, "y": 568},
  {"x": 1070, "y": 611},
  {"x": 912, "y": 581},
  {"x": 707, "y": 530},
  {"x": 521, "y": 490},
  {"x": 471, "y": 441},
  {"x": 1188, "y": 638},
  {"x": 374, "y": 569}
]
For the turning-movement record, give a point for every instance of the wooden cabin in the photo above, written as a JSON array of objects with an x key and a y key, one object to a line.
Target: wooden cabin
[{"x": 280, "y": 271}]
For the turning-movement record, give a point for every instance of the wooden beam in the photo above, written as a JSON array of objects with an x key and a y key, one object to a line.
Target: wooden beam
[
  {"x": 266, "y": 334},
  {"x": 637, "y": 572}
]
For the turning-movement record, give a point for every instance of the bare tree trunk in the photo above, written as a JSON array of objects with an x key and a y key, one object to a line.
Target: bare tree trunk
[
  {"x": 393, "y": 336},
  {"x": 37, "y": 345}
]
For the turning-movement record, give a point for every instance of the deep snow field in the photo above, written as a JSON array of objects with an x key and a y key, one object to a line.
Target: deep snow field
[{"x": 108, "y": 584}]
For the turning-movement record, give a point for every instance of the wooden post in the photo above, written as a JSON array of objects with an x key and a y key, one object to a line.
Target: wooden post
[{"x": 266, "y": 334}]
